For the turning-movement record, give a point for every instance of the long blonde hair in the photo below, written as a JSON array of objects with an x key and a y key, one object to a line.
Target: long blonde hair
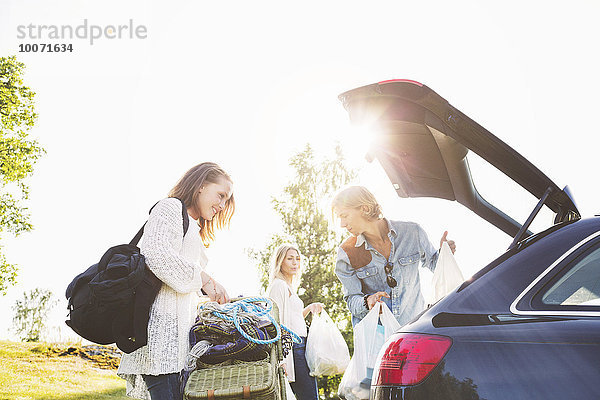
[
  {"x": 188, "y": 190},
  {"x": 276, "y": 262}
]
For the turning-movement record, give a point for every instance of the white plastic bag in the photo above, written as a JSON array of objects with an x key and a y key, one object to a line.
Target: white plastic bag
[
  {"x": 289, "y": 393},
  {"x": 326, "y": 349},
  {"x": 369, "y": 336},
  {"x": 446, "y": 276}
]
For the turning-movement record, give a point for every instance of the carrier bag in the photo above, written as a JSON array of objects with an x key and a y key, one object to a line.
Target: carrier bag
[
  {"x": 369, "y": 336},
  {"x": 326, "y": 350},
  {"x": 288, "y": 391},
  {"x": 447, "y": 275}
]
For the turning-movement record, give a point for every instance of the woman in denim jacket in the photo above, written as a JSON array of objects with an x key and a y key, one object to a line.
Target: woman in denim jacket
[{"x": 379, "y": 262}]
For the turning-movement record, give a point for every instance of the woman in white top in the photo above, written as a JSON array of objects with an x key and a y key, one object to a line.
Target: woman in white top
[
  {"x": 284, "y": 278},
  {"x": 152, "y": 372}
]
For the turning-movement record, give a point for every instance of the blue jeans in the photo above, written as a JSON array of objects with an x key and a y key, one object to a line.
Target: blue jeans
[
  {"x": 305, "y": 386},
  {"x": 163, "y": 387}
]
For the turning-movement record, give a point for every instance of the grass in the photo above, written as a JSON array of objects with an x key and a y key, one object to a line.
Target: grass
[{"x": 38, "y": 371}]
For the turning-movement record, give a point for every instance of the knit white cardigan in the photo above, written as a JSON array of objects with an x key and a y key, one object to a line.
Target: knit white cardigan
[{"x": 178, "y": 262}]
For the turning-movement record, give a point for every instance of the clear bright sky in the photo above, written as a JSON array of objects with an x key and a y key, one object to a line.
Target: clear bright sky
[{"x": 248, "y": 84}]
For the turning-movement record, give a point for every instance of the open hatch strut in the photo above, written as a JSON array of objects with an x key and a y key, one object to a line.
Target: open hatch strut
[{"x": 519, "y": 236}]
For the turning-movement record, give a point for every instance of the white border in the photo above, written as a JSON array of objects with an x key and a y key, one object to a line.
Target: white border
[{"x": 513, "y": 306}]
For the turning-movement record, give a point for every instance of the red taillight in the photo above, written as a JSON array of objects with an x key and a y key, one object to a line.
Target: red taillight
[
  {"x": 407, "y": 358},
  {"x": 400, "y": 80}
]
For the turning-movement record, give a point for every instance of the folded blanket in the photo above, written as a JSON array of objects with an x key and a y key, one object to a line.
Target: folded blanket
[{"x": 228, "y": 343}]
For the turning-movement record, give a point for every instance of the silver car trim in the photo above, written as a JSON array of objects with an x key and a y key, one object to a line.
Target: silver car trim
[{"x": 513, "y": 306}]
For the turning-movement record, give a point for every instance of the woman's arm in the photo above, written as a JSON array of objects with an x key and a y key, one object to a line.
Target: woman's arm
[
  {"x": 277, "y": 292},
  {"x": 162, "y": 241},
  {"x": 351, "y": 285},
  {"x": 213, "y": 289},
  {"x": 314, "y": 308},
  {"x": 429, "y": 254}
]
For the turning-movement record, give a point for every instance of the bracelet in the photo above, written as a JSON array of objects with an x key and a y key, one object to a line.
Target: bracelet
[
  {"x": 209, "y": 280},
  {"x": 365, "y": 297}
]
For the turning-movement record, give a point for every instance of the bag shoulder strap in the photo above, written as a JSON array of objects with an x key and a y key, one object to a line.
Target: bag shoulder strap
[
  {"x": 358, "y": 256},
  {"x": 184, "y": 216}
]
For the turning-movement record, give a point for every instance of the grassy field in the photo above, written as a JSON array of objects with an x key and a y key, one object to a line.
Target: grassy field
[{"x": 38, "y": 371}]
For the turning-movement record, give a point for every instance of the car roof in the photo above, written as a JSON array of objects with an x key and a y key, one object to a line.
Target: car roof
[
  {"x": 501, "y": 281},
  {"x": 422, "y": 142}
]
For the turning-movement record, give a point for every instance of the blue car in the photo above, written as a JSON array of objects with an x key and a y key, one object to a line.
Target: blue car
[{"x": 526, "y": 326}]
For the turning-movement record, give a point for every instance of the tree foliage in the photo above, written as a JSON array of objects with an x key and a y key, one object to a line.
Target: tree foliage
[
  {"x": 304, "y": 208},
  {"x": 30, "y": 314},
  {"x": 18, "y": 154}
]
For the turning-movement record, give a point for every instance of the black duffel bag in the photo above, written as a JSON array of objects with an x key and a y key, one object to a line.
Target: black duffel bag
[{"x": 110, "y": 302}]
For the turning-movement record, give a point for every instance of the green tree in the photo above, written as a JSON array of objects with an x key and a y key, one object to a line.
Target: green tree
[
  {"x": 18, "y": 155},
  {"x": 304, "y": 209},
  {"x": 30, "y": 314}
]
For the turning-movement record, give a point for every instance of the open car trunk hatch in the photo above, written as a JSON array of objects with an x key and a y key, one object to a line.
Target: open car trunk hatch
[{"x": 422, "y": 142}]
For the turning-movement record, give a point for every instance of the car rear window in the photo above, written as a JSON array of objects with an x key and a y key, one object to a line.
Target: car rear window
[{"x": 579, "y": 286}]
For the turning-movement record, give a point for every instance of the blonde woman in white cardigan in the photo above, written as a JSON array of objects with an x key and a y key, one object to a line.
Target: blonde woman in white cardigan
[
  {"x": 284, "y": 278},
  {"x": 152, "y": 371}
]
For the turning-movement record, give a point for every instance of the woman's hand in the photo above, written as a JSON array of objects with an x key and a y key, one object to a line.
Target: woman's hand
[
  {"x": 451, "y": 243},
  {"x": 375, "y": 297},
  {"x": 215, "y": 291},
  {"x": 221, "y": 295},
  {"x": 314, "y": 308}
]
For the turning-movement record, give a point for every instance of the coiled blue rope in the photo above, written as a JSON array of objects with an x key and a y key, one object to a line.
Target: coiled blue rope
[{"x": 250, "y": 305}]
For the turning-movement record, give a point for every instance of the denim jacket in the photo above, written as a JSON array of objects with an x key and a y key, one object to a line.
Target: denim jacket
[{"x": 410, "y": 246}]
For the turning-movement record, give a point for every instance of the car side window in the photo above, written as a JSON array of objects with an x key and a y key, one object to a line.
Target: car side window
[{"x": 578, "y": 286}]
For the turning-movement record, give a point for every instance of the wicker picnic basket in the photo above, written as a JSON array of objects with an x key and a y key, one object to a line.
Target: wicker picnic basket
[{"x": 262, "y": 380}]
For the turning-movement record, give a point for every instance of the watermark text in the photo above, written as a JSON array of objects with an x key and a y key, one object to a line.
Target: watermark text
[{"x": 90, "y": 32}]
